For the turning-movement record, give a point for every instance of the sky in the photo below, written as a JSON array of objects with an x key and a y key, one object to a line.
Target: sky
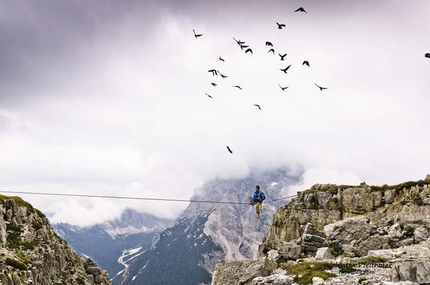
[{"x": 108, "y": 97}]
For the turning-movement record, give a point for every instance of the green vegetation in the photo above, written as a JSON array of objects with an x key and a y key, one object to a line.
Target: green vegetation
[
  {"x": 361, "y": 280},
  {"x": 37, "y": 225},
  {"x": 15, "y": 263},
  {"x": 408, "y": 184},
  {"x": 307, "y": 271},
  {"x": 18, "y": 200},
  {"x": 371, "y": 260}
]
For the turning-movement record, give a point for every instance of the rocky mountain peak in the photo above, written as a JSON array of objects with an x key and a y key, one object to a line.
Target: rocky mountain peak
[
  {"x": 32, "y": 253},
  {"x": 327, "y": 234}
]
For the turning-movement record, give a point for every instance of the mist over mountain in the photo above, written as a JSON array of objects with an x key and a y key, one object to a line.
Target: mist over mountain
[
  {"x": 206, "y": 233},
  {"x": 107, "y": 243}
]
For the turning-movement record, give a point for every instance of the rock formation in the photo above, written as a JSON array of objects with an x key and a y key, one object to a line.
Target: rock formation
[
  {"x": 336, "y": 234},
  {"x": 32, "y": 253}
]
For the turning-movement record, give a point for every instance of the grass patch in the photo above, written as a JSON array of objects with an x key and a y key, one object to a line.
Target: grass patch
[
  {"x": 309, "y": 270},
  {"x": 371, "y": 260},
  {"x": 37, "y": 225}
]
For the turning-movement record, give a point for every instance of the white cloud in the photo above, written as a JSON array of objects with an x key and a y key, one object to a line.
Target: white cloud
[{"x": 129, "y": 117}]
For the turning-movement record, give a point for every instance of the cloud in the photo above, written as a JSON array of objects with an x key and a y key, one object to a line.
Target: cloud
[{"x": 109, "y": 99}]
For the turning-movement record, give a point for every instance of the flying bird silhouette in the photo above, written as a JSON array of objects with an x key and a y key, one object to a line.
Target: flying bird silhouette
[
  {"x": 282, "y": 56},
  {"x": 301, "y": 10},
  {"x": 239, "y": 42},
  {"x": 237, "y": 86},
  {"x": 214, "y": 72},
  {"x": 306, "y": 63},
  {"x": 196, "y": 35},
  {"x": 222, "y": 75},
  {"x": 280, "y": 26},
  {"x": 208, "y": 95},
  {"x": 229, "y": 150},
  {"x": 271, "y": 50},
  {"x": 220, "y": 58},
  {"x": 427, "y": 55},
  {"x": 283, "y": 88},
  {"x": 321, "y": 88},
  {"x": 243, "y": 46},
  {"x": 214, "y": 84},
  {"x": 286, "y": 68},
  {"x": 256, "y": 105},
  {"x": 249, "y": 50},
  {"x": 269, "y": 44}
]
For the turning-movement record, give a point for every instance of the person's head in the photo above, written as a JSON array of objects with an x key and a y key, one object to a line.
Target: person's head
[{"x": 257, "y": 188}]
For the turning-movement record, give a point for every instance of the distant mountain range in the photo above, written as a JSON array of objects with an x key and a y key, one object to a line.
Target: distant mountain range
[
  {"x": 206, "y": 233},
  {"x": 113, "y": 243}
]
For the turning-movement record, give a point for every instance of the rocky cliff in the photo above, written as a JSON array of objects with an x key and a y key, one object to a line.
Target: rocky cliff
[
  {"x": 32, "y": 253},
  {"x": 337, "y": 234}
]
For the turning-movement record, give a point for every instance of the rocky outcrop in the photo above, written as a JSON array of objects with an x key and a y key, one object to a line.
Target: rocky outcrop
[
  {"x": 33, "y": 254},
  {"x": 362, "y": 234}
]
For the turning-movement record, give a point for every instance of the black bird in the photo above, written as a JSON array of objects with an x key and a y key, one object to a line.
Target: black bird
[
  {"x": 283, "y": 88},
  {"x": 249, "y": 50},
  {"x": 286, "y": 68},
  {"x": 256, "y": 105},
  {"x": 214, "y": 72},
  {"x": 238, "y": 41},
  {"x": 306, "y": 63},
  {"x": 196, "y": 35},
  {"x": 427, "y": 55},
  {"x": 213, "y": 84},
  {"x": 229, "y": 150},
  {"x": 222, "y": 75},
  {"x": 271, "y": 50},
  {"x": 237, "y": 86},
  {"x": 280, "y": 26},
  {"x": 282, "y": 56},
  {"x": 208, "y": 95},
  {"x": 321, "y": 88},
  {"x": 269, "y": 44},
  {"x": 243, "y": 46},
  {"x": 220, "y": 58},
  {"x": 301, "y": 10}
]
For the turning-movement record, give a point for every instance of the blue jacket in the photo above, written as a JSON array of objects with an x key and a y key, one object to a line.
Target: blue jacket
[{"x": 258, "y": 197}]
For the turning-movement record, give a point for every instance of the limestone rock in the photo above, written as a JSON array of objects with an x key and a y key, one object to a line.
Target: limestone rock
[
  {"x": 421, "y": 234},
  {"x": 415, "y": 271},
  {"x": 317, "y": 281},
  {"x": 323, "y": 253},
  {"x": 233, "y": 272},
  {"x": 312, "y": 238},
  {"x": 274, "y": 279},
  {"x": 291, "y": 251}
]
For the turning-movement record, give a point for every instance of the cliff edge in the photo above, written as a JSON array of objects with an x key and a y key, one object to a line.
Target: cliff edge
[
  {"x": 32, "y": 253},
  {"x": 337, "y": 234}
]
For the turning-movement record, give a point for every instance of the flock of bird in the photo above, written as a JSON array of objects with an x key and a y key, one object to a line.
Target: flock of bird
[{"x": 248, "y": 50}]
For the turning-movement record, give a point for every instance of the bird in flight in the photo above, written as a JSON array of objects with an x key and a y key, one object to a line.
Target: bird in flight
[
  {"x": 214, "y": 84},
  {"x": 427, "y": 55},
  {"x": 196, "y": 35},
  {"x": 280, "y": 26},
  {"x": 258, "y": 106},
  {"x": 321, "y": 88},
  {"x": 249, "y": 50},
  {"x": 282, "y": 56},
  {"x": 220, "y": 58},
  {"x": 306, "y": 63},
  {"x": 269, "y": 44},
  {"x": 238, "y": 41},
  {"x": 283, "y": 88},
  {"x": 229, "y": 150},
  {"x": 214, "y": 72},
  {"x": 301, "y": 10},
  {"x": 271, "y": 50},
  {"x": 208, "y": 95},
  {"x": 286, "y": 68},
  {"x": 243, "y": 46},
  {"x": 237, "y": 86},
  {"x": 222, "y": 75}
]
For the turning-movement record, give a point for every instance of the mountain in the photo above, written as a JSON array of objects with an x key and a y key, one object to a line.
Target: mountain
[
  {"x": 123, "y": 237},
  {"x": 32, "y": 253},
  {"x": 342, "y": 234},
  {"x": 206, "y": 233}
]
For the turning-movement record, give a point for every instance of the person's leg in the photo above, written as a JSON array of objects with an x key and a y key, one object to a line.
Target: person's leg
[{"x": 257, "y": 209}]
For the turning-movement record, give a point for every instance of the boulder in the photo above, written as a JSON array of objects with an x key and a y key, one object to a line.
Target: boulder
[
  {"x": 415, "y": 271},
  {"x": 317, "y": 281},
  {"x": 291, "y": 251},
  {"x": 323, "y": 253},
  {"x": 312, "y": 238},
  {"x": 421, "y": 234},
  {"x": 233, "y": 272}
]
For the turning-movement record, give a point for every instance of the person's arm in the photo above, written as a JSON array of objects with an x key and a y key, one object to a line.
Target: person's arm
[{"x": 263, "y": 197}]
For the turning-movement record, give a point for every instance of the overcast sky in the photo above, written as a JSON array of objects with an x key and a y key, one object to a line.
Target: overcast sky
[{"x": 108, "y": 97}]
